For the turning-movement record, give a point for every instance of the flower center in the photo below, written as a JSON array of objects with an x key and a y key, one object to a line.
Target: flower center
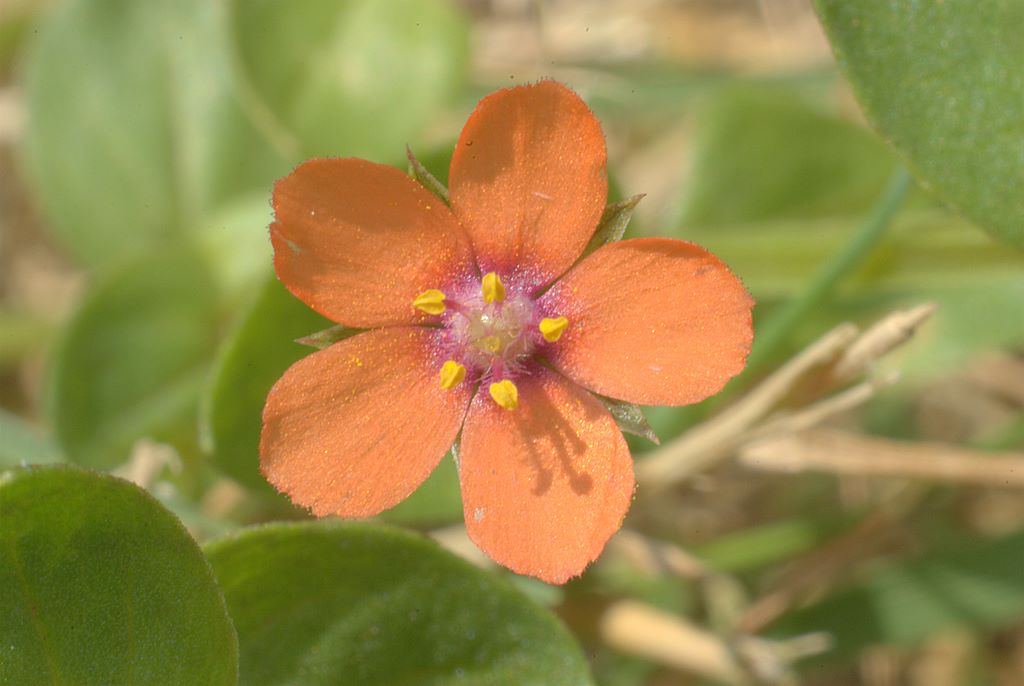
[
  {"x": 490, "y": 335},
  {"x": 494, "y": 339}
]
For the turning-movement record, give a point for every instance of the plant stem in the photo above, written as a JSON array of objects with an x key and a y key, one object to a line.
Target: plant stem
[{"x": 775, "y": 333}]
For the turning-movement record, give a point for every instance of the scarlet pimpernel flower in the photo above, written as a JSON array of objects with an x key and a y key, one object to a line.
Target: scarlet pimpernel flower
[{"x": 484, "y": 325}]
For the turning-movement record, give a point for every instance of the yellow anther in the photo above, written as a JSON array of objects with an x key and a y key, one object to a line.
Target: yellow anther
[
  {"x": 431, "y": 302},
  {"x": 452, "y": 374},
  {"x": 491, "y": 344},
  {"x": 552, "y": 329},
  {"x": 505, "y": 394},
  {"x": 493, "y": 288}
]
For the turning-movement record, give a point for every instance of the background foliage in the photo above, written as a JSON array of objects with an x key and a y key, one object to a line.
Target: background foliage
[{"x": 141, "y": 327}]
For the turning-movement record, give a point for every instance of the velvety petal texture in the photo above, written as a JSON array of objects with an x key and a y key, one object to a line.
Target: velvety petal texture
[
  {"x": 353, "y": 429},
  {"x": 545, "y": 485},
  {"x": 358, "y": 241},
  {"x": 528, "y": 180},
  {"x": 653, "y": 321}
]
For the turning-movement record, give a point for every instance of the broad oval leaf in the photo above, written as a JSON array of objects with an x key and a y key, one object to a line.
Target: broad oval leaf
[
  {"x": 133, "y": 359},
  {"x": 99, "y": 584},
  {"x": 135, "y": 130},
  {"x": 324, "y": 602},
  {"x": 943, "y": 82},
  {"x": 356, "y": 78},
  {"x": 764, "y": 155}
]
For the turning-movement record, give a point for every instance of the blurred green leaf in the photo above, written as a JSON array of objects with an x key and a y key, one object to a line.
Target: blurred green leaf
[
  {"x": 15, "y": 24},
  {"x": 327, "y": 603},
  {"x": 974, "y": 585},
  {"x": 235, "y": 242},
  {"x": 99, "y": 584},
  {"x": 133, "y": 359},
  {"x": 357, "y": 78},
  {"x": 925, "y": 256},
  {"x": 771, "y": 543},
  {"x": 135, "y": 131},
  {"x": 22, "y": 443},
  {"x": 255, "y": 355},
  {"x": 21, "y": 333},
  {"x": 943, "y": 82},
  {"x": 437, "y": 501},
  {"x": 768, "y": 154}
]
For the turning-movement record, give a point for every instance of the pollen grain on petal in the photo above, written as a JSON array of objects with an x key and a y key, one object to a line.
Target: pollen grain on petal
[
  {"x": 553, "y": 328},
  {"x": 430, "y": 301},
  {"x": 493, "y": 288},
  {"x": 452, "y": 374},
  {"x": 505, "y": 394}
]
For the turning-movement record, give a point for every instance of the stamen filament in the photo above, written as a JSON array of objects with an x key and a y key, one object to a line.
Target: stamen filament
[
  {"x": 430, "y": 301},
  {"x": 505, "y": 393},
  {"x": 552, "y": 329}
]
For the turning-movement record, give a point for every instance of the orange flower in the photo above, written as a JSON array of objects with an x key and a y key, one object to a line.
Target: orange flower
[{"x": 467, "y": 333}]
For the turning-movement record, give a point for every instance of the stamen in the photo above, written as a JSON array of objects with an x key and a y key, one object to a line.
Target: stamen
[
  {"x": 505, "y": 394},
  {"x": 452, "y": 374},
  {"x": 552, "y": 329},
  {"x": 430, "y": 301},
  {"x": 493, "y": 288},
  {"x": 491, "y": 344}
]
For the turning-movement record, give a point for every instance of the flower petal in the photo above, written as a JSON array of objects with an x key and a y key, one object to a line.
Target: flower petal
[
  {"x": 653, "y": 321},
  {"x": 353, "y": 429},
  {"x": 358, "y": 241},
  {"x": 528, "y": 180},
  {"x": 545, "y": 485}
]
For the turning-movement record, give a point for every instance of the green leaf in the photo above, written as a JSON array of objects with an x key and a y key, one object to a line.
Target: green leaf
[
  {"x": 764, "y": 154},
  {"x": 255, "y": 355},
  {"x": 235, "y": 242},
  {"x": 134, "y": 128},
  {"x": 356, "y": 78},
  {"x": 328, "y": 603},
  {"x": 21, "y": 334},
  {"x": 133, "y": 359},
  {"x": 22, "y": 443},
  {"x": 975, "y": 585},
  {"x": 437, "y": 501},
  {"x": 99, "y": 584},
  {"x": 943, "y": 82}
]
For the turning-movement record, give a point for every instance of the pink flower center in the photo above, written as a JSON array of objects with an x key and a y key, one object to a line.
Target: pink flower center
[
  {"x": 490, "y": 335},
  {"x": 493, "y": 340}
]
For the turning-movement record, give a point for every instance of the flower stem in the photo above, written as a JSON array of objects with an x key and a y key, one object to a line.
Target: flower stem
[{"x": 775, "y": 333}]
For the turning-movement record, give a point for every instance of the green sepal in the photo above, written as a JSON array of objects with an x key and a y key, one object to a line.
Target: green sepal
[
  {"x": 613, "y": 223},
  {"x": 426, "y": 179},
  {"x": 630, "y": 419},
  {"x": 327, "y": 337}
]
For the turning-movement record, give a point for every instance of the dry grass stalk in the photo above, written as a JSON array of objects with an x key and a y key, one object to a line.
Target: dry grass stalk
[
  {"x": 851, "y": 454},
  {"x": 642, "y": 630},
  {"x": 882, "y": 338},
  {"x": 716, "y": 438},
  {"x": 750, "y": 418}
]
